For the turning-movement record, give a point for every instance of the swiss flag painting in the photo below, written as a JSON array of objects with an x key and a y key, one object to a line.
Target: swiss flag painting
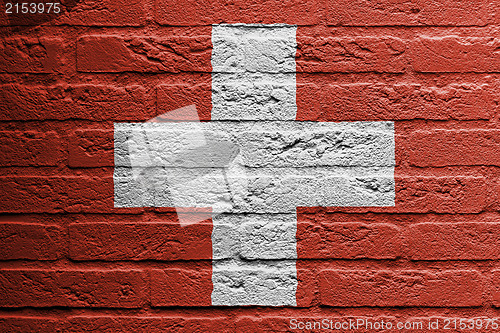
[
  {"x": 279, "y": 164},
  {"x": 273, "y": 166}
]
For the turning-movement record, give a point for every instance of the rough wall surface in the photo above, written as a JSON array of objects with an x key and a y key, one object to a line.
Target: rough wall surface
[{"x": 370, "y": 135}]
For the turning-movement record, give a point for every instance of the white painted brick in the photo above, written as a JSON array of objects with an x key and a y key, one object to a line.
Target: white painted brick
[
  {"x": 253, "y": 72},
  {"x": 261, "y": 191},
  {"x": 226, "y": 242},
  {"x": 254, "y": 96},
  {"x": 253, "y": 48},
  {"x": 267, "y": 144},
  {"x": 242, "y": 283},
  {"x": 258, "y": 236}
]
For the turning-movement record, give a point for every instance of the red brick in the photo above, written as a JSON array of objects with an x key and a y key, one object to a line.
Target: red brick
[
  {"x": 187, "y": 325},
  {"x": 191, "y": 12},
  {"x": 326, "y": 240},
  {"x": 453, "y": 54},
  {"x": 139, "y": 241},
  {"x": 31, "y": 55},
  {"x": 495, "y": 278},
  {"x": 182, "y": 287},
  {"x": 31, "y": 324},
  {"x": 410, "y": 13},
  {"x": 80, "y": 101},
  {"x": 439, "y": 148},
  {"x": 350, "y": 54},
  {"x": 307, "y": 284},
  {"x": 174, "y": 96},
  {"x": 496, "y": 186},
  {"x": 267, "y": 324},
  {"x": 442, "y": 194},
  {"x": 454, "y": 241},
  {"x": 114, "y": 324},
  {"x": 91, "y": 148},
  {"x": 148, "y": 324},
  {"x": 144, "y": 54},
  {"x": 30, "y": 148},
  {"x": 55, "y": 194},
  {"x": 496, "y": 11},
  {"x": 86, "y": 288},
  {"x": 31, "y": 241},
  {"x": 402, "y": 288},
  {"x": 402, "y": 101},
  {"x": 105, "y": 13}
]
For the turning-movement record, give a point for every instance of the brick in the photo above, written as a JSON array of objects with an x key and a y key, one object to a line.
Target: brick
[
  {"x": 258, "y": 238},
  {"x": 191, "y": 12},
  {"x": 496, "y": 186},
  {"x": 440, "y": 148},
  {"x": 91, "y": 148},
  {"x": 79, "y": 101},
  {"x": 31, "y": 55},
  {"x": 239, "y": 283},
  {"x": 30, "y": 148},
  {"x": 496, "y": 11},
  {"x": 326, "y": 240},
  {"x": 410, "y": 13},
  {"x": 302, "y": 146},
  {"x": 264, "y": 191},
  {"x": 241, "y": 50},
  {"x": 254, "y": 236},
  {"x": 114, "y": 324},
  {"x": 105, "y": 13},
  {"x": 140, "y": 241},
  {"x": 245, "y": 98},
  {"x": 216, "y": 324},
  {"x": 86, "y": 288},
  {"x": 174, "y": 96},
  {"x": 350, "y": 55},
  {"x": 245, "y": 61},
  {"x": 182, "y": 287},
  {"x": 453, "y": 241},
  {"x": 495, "y": 279},
  {"x": 31, "y": 324},
  {"x": 31, "y": 241},
  {"x": 262, "y": 324},
  {"x": 453, "y": 54},
  {"x": 453, "y": 288},
  {"x": 402, "y": 101},
  {"x": 307, "y": 285},
  {"x": 144, "y": 54},
  {"x": 277, "y": 144},
  {"x": 56, "y": 194},
  {"x": 263, "y": 239},
  {"x": 225, "y": 237},
  {"x": 442, "y": 194}
]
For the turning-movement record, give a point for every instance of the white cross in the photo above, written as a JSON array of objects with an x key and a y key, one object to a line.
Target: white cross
[{"x": 254, "y": 164}]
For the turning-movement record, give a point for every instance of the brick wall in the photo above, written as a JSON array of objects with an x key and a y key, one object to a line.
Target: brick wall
[{"x": 70, "y": 261}]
